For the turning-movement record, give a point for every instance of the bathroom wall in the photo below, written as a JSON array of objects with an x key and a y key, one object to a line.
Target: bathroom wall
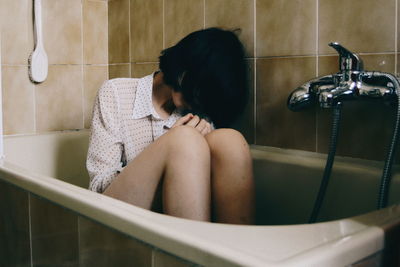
[
  {"x": 88, "y": 41},
  {"x": 291, "y": 47},
  {"x": 140, "y": 29},
  {"x": 75, "y": 38},
  {"x": 287, "y": 44}
]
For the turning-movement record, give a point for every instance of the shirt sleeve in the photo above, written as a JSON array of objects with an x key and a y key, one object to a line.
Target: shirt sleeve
[{"x": 105, "y": 143}]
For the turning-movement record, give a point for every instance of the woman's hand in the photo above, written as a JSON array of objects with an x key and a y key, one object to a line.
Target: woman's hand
[{"x": 203, "y": 126}]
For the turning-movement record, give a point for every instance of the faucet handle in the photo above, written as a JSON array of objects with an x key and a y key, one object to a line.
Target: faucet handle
[{"x": 347, "y": 59}]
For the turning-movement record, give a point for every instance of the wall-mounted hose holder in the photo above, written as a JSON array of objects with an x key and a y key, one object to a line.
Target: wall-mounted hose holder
[{"x": 38, "y": 62}]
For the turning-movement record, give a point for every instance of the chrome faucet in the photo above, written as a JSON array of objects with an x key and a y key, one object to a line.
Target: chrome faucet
[{"x": 350, "y": 83}]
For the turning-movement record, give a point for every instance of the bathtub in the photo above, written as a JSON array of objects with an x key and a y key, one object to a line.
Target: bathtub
[{"x": 49, "y": 218}]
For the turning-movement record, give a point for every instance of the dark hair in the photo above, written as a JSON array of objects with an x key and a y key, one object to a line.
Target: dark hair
[{"x": 209, "y": 69}]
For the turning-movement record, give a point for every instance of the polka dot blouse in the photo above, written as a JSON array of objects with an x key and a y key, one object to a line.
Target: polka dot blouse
[{"x": 124, "y": 123}]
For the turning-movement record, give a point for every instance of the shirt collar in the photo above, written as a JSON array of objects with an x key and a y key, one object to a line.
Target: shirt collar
[{"x": 143, "y": 105}]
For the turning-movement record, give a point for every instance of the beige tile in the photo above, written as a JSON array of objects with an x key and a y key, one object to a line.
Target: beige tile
[
  {"x": 286, "y": 27},
  {"x": 245, "y": 123},
  {"x": 181, "y": 18},
  {"x": 93, "y": 78},
  {"x": 95, "y": 32},
  {"x": 381, "y": 62},
  {"x": 363, "y": 122},
  {"x": 62, "y": 30},
  {"x": 54, "y": 232},
  {"x": 118, "y": 31},
  {"x": 143, "y": 69},
  {"x": 365, "y": 129},
  {"x": 18, "y": 100},
  {"x": 232, "y": 15},
  {"x": 398, "y": 65},
  {"x": 162, "y": 259},
  {"x": 146, "y": 30},
  {"x": 14, "y": 226},
  {"x": 16, "y": 17},
  {"x": 102, "y": 246},
  {"x": 51, "y": 219},
  {"x": 371, "y": 31},
  {"x": 59, "y": 99},
  {"x": 119, "y": 71},
  {"x": 276, "y": 124}
]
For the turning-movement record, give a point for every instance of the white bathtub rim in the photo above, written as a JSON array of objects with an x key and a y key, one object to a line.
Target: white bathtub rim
[
  {"x": 121, "y": 215},
  {"x": 148, "y": 224}
]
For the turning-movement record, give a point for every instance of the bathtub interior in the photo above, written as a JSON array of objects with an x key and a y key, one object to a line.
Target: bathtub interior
[
  {"x": 286, "y": 181},
  {"x": 60, "y": 155}
]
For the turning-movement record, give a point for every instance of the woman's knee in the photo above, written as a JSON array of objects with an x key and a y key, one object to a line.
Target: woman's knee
[
  {"x": 227, "y": 141},
  {"x": 186, "y": 139}
]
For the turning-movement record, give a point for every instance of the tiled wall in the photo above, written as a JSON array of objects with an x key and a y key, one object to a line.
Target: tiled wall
[
  {"x": 36, "y": 232},
  {"x": 75, "y": 39},
  {"x": 291, "y": 47},
  {"x": 286, "y": 44},
  {"x": 140, "y": 29}
]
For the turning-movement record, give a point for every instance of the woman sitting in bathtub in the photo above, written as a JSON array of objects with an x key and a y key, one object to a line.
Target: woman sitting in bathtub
[{"x": 142, "y": 146}]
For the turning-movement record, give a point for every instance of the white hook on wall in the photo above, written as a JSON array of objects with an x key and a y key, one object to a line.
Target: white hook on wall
[{"x": 1, "y": 108}]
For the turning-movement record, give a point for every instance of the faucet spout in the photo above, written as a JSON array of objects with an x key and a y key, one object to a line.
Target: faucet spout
[
  {"x": 329, "y": 98},
  {"x": 350, "y": 83},
  {"x": 348, "y": 61},
  {"x": 306, "y": 95}
]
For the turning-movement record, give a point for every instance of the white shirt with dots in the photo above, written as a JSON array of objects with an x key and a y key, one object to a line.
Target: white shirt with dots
[{"x": 124, "y": 122}]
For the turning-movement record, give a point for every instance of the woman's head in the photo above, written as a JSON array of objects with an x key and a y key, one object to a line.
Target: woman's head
[{"x": 208, "y": 69}]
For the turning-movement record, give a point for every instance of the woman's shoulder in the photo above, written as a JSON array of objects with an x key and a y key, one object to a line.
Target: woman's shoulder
[
  {"x": 117, "y": 86},
  {"x": 118, "y": 83}
]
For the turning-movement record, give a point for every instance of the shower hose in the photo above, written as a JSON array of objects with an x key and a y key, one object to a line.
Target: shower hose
[
  {"x": 383, "y": 195},
  {"x": 387, "y": 169},
  {"x": 337, "y": 110}
]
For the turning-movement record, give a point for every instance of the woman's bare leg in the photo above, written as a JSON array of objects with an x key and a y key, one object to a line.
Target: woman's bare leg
[
  {"x": 182, "y": 158},
  {"x": 232, "y": 177}
]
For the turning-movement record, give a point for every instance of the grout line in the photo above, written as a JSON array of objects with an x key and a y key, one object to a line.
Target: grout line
[
  {"x": 163, "y": 19},
  {"x": 108, "y": 47},
  {"x": 291, "y": 56},
  {"x": 153, "y": 257},
  {"x": 79, "y": 240},
  {"x": 204, "y": 14},
  {"x": 30, "y": 227},
  {"x": 316, "y": 68},
  {"x": 146, "y": 62},
  {"x": 395, "y": 38},
  {"x": 255, "y": 72},
  {"x": 87, "y": 64},
  {"x": 322, "y": 55},
  {"x": 317, "y": 38},
  {"x": 44, "y": 132},
  {"x": 34, "y": 109},
  {"x": 255, "y": 28},
  {"x": 82, "y": 70},
  {"x": 130, "y": 36}
]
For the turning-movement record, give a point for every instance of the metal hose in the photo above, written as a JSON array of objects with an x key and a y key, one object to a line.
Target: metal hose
[
  {"x": 337, "y": 110},
  {"x": 383, "y": 195}
]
